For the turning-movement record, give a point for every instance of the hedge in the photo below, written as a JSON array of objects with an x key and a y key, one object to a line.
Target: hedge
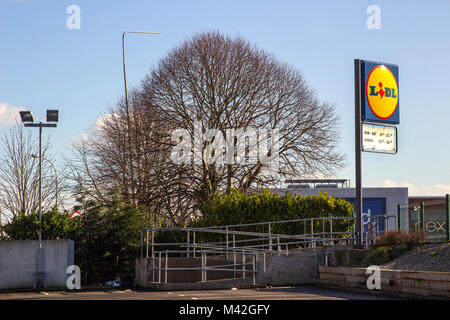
[{"x": 242, "y": 208}]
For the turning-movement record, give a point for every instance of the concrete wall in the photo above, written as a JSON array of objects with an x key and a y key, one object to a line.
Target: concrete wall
[
  {"x": 345, "y": 257},
  {"x": 298, "y": 268},
  {"x": 287, "y": 270},
  {"x": 420, "y": 283},
  {"x": 19, "y": 262},
  {"x": 393, "y": 196}
]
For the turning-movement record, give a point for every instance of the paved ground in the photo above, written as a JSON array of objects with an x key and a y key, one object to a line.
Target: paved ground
[{"x": 275, "y": 293}]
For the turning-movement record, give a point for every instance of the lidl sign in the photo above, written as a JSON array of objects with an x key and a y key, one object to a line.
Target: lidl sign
[{"x": 380, "y": 92}]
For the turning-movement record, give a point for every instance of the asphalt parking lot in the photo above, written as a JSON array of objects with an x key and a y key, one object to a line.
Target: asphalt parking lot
[{"x": 274, "y": 293}]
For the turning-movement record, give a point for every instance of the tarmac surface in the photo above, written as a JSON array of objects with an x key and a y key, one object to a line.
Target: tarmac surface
[{"x": 274, "y": 293}]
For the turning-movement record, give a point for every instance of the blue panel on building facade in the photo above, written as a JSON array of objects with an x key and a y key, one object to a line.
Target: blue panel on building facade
[{"x": 377, "y": 207}]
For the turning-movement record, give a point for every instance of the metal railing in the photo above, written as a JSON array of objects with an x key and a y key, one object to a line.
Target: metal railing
[
  {"x": 376, "y": 227},
  {"x": 267, "y": 238},
  {"x": 159, "y": 270},
  {"x": 237, "y": 245}
]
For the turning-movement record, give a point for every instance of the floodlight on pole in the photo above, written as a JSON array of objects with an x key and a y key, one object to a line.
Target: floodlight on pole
[
  {"x": 27, "y": 116},
  {"x": 52, "y": 115}
]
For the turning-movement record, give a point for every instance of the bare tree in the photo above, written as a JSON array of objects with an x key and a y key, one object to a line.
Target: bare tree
[
  {"x": 19, "y": 174},
  {"x": 226, "y": 83},
  {"x": 101, "y": 162},
  {"x": 212, "y": 82}
]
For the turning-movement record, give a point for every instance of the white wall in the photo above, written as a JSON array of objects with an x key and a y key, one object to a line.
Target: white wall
[{"x": 19, "y": 262}]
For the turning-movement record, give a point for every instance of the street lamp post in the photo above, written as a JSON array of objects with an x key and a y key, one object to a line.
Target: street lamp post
[
  {"x": 126, "y": 102},
  {"x": 28, "y": 119},
  {"x": 123, "y": 59}
]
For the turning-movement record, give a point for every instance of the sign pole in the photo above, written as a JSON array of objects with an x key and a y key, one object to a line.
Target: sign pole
[{"x": 358, "y": 187}]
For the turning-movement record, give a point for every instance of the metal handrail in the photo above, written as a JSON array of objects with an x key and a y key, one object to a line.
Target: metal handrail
[
  {"x": 204, "y": 268},
  {"x": 262, "y": 236},
  {"x": 279, "y": 221},
  {"x": 272, "y": 243}
]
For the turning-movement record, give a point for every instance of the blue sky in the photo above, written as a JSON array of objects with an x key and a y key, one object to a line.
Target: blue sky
[{"x": 44, "y": 65}]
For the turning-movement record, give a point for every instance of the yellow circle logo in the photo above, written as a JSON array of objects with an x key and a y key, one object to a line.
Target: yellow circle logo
[{"x": 382, "y": 92}]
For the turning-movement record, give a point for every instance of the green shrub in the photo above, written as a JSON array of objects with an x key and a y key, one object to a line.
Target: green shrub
[
  {"x": 241, "y": 208},
  {"x": 55, "y": 225},
  {"x": 238, "y": 208},
  {"x": 108, "y": 242}
]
